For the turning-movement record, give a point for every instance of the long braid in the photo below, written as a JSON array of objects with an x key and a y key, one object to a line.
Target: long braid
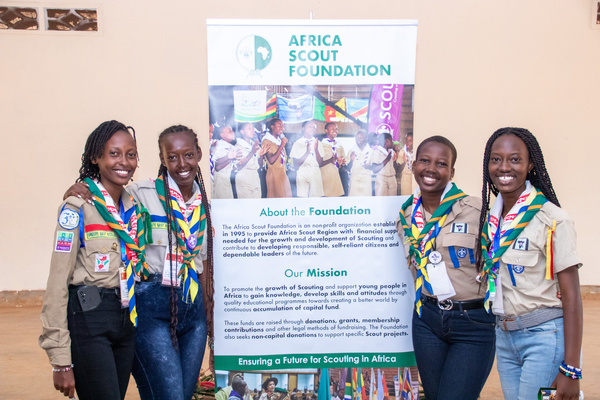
[
  {"x": 94, "y": 147},
  {"x": 538, "y": 176},
  {"x": 210, "y": 282},
  {"x": 173, "y": 298}
]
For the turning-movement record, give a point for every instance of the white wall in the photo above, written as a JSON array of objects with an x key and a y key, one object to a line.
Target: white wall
[{"x": 481, "y": 65}]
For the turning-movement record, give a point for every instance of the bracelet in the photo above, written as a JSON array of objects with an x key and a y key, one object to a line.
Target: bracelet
[
  {"x": 570, "y": 371},
  {"x": 211, "y": 343},
  {"x": 65, "y": 369}
]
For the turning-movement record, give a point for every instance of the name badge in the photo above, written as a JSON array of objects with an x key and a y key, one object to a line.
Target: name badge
[
  {"x": 173, "y": 263},
  {"x": 460, "y": 227},
  {"x": 440, "y": 282},
  {"x": 521, "y": 244}
]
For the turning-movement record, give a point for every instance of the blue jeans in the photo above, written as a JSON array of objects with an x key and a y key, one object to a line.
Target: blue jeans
[
  {"x": 102, "y": 345},
  {"x": 161, "y": 371},
  {"x": 454, "y": 351},
  {"x": 528, "y": 359}
]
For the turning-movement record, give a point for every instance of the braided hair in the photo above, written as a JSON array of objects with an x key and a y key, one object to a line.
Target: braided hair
[
  {"x": 162, "y": 171},
  {"x": 538, "y": 176},
  {"x": 94, "y": 147}
]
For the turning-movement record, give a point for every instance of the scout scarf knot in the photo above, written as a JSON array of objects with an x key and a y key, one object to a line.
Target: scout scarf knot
[
  {"x": 131, "y": 235},
  {"x": 421, "y": 236},
  {"x": 499, "y": 233},
  {"x": 188, "y": 223}
]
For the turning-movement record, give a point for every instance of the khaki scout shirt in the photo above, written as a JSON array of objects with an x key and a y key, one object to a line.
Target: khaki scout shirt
[
  {"x": 459, "y": 230},
  {"x": 526, "y": 257},
  {"x": 145, "y": 193},
  {"x": 77, "y": 266}
]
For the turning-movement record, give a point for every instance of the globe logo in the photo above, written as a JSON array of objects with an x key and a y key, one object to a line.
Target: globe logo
[{"x": 254, "y": 53}]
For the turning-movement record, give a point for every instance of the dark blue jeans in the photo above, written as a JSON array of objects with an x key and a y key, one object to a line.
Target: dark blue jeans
[
  {"x": 102, "y": 346},
  {"x": 454, "y": 351},
  {"x": 161, "y": 371}
]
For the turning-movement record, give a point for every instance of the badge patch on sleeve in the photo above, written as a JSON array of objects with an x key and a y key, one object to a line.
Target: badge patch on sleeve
[
  {"x": 521, "y": 244},
  {"x": 102, "y": 262},
  {"x": 64, "y": 241},
  {"x": 68, "y": 219},
  {"x": 460, "y": 227}
]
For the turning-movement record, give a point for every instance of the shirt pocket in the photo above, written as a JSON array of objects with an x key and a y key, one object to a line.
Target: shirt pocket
[
  {"x": 525, "y": 258},
  {"x": 103, "y": 254},
  {"x": 466, "y": 240}
]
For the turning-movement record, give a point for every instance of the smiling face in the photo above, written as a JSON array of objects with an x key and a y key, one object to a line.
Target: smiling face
[
  {"x": 180, "y": 155},
  {"x": 118, "y": 161},
  {"x": 432, "y": 168},
  {"x": 277, "y": 128},
  {"x": 331, "y": 131},
  {"x": 508, "y": 166}
]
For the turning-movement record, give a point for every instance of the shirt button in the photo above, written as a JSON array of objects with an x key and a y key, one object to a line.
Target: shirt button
[
  {"x": 114, "y": 246},
  {"x": 104, "y": 249},
  {"x": 159, "y": 242}
]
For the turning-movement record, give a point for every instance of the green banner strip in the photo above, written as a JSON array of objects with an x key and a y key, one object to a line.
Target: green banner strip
[{"x": 325, "y": 360}]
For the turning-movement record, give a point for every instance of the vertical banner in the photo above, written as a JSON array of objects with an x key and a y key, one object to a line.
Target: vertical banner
[{"x": 304, "y": 281}]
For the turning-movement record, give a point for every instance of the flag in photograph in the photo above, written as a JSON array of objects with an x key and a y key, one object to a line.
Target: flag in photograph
[
  {"x": 406, "y": 386},
  {"x": 271, "y": 107},
  {"x": 348, "y": 390},
  {"x": 299, "y": 109},
  {"x": 331, "y": 115},
  {"x": 372, "y": 387},
  {"x": 249, "y": 105},
  {"x": 358, "y": 108},
  {"x": 385, "y": 109},
  {"x": 324, "y": 392},
  {"x": 379, "y": 386},
  {"x": 361, "y": 391}
]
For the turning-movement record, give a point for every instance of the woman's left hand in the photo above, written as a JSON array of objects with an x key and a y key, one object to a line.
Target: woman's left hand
[{"x": 566, "y": 388}]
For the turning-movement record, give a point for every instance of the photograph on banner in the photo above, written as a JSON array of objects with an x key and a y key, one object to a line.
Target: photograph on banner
[
  {"x": 310, "y": 127},
  {"x": 323, "y": 140},
  {"x": 314, "y": 384}
]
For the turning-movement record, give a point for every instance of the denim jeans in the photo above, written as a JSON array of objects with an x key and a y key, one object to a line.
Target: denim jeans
[
  {"x": 102, "y": 346},
  {"x": 529, "y": 358},
  {"x": 454, "y": 351},
  {"x": 161, "y": 371}
]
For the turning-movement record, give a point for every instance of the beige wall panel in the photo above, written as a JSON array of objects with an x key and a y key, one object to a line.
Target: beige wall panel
[{"x": 481, "y": 65}]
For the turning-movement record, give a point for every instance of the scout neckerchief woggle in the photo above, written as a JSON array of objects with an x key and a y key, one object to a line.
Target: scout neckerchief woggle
[
  {"x": 131, "y": 235},
  {"x": 189, "y": 232},
  {"x": 495, "y": 240},
  {"x": 421, "y": 236}
]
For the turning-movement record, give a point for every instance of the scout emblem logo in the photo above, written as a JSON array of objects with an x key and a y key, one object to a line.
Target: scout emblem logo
[
  {"x": 518, "y": 269},
  {"x": 68, "y": 219},
  {"x": 435, "y": 257},
  {"x": 460, "y": 228},
  {"x": 192, "y": 241},
  {"x": 253, "y": 53},
  {"x": 102, "y": 263},
  {"x": 521, "y": 244},
  {"x": 461, "y": 252}
]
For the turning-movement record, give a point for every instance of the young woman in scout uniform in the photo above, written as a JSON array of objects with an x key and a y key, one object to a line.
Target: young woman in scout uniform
[
  {"x": 89, "y": 304},
  {"x": 273, "y": 148},
  {"x": 172, "y": 321},
  {"x": 174, "y": 301},
  {"x": 528, "y": 247},
  {"x": 453, "y": 335}
]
